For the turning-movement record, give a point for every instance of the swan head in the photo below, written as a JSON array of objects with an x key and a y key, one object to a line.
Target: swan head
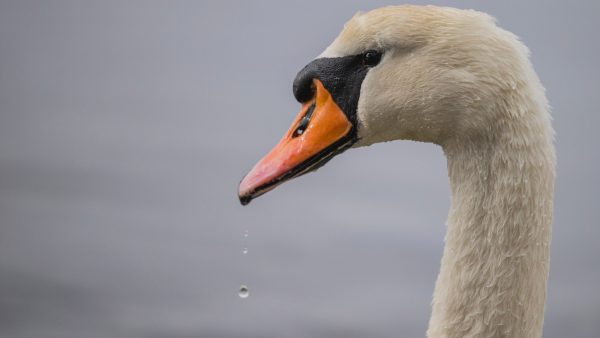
[{"x": 422, "y": 73}]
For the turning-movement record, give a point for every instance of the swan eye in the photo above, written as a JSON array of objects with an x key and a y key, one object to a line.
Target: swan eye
[
  {"x": 303, "y": 123},
  {"x": 371, "y": 58}
]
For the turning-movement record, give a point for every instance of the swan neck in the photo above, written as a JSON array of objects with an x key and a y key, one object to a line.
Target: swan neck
[{"x": 492, "y": 281}]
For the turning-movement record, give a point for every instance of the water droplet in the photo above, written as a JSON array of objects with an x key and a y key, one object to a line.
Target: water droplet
[
  {"x": 246, "y": 233},
  {"x": 243, "y": 293},
  {"x": 245, "y": 251}
]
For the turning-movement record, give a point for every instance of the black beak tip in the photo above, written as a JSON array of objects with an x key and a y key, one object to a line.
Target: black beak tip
[{"x": 245, "y": 200}]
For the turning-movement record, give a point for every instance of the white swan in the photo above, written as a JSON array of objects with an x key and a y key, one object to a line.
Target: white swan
[{"x": 450, "y": 77}]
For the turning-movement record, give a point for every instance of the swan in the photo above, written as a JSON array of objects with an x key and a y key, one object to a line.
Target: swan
[{"x": 453, "y": 78}]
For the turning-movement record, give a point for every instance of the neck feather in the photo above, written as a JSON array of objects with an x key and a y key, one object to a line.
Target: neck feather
[{"x": 492, "y": 281}]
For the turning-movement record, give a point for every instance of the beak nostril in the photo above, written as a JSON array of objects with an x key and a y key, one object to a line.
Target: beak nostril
[{"x": 303, "y": 123}]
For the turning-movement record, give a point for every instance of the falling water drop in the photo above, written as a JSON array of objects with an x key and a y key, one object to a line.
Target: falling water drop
[
  {"x": 245, "y": 251},
  {"x": 243, "y": 292},
  {"x": 246, "y": 233}
]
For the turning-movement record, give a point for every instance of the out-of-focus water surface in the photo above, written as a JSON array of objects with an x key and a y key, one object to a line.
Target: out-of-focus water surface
[{"x": 126, "y": 126}]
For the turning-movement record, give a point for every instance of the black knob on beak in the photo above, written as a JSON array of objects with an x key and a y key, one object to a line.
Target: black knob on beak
[{"x": 303, "y": 84}]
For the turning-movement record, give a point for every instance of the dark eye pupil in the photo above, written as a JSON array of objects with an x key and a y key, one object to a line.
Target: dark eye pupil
[{"x": 371, "y": 58}]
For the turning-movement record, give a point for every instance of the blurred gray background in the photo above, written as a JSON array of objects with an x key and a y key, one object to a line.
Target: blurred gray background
[{"x": 126, "y": 126}]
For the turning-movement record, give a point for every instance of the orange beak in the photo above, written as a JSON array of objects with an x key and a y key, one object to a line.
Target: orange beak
[{"x": 320, "y": 131}]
